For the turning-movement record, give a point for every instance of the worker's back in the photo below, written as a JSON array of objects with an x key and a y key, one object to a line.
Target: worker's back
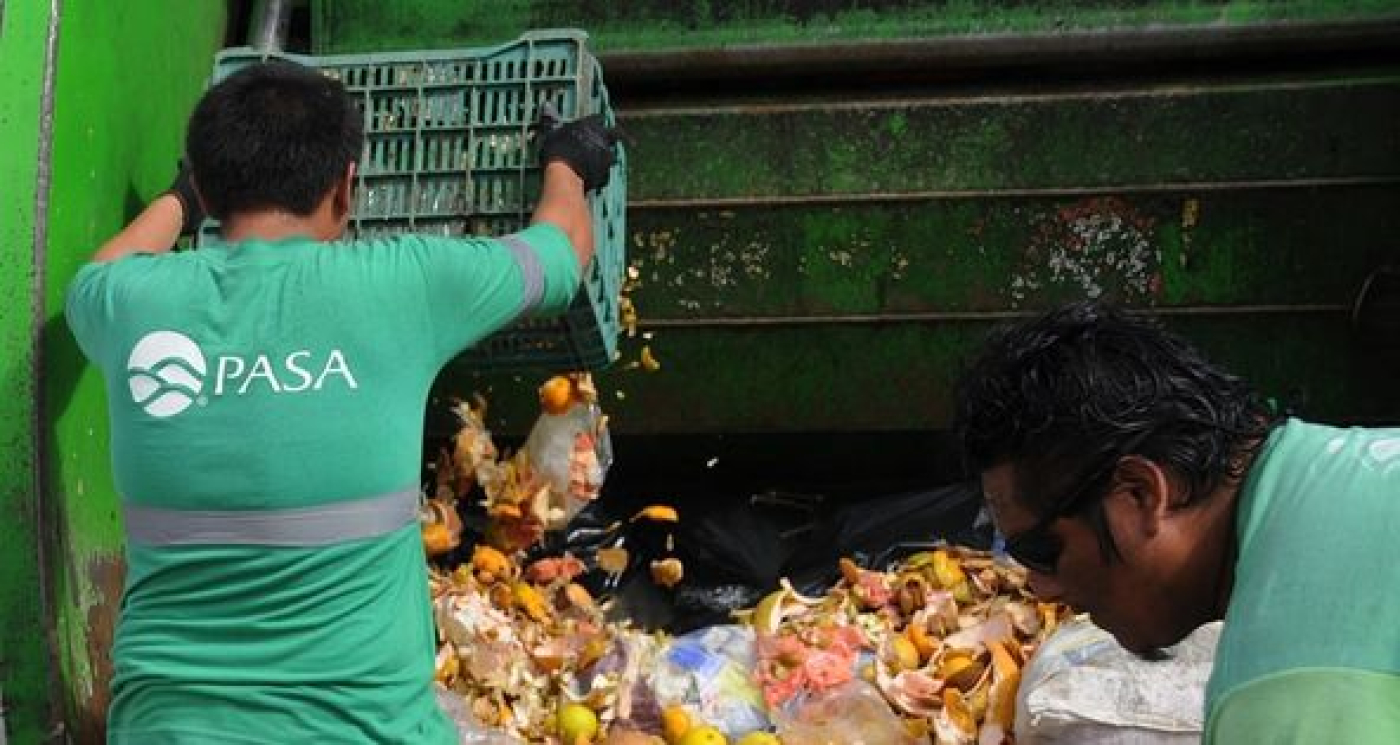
[{"x": 267, "y": 404}]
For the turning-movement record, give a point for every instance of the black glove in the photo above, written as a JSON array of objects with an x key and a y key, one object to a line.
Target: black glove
[
  {"x": 183, "y": 190},
  {"x": 585, "y": 145}
]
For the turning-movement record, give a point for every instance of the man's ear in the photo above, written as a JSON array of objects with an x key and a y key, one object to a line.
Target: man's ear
[
  {"x": 1144, "y": 484},
  {"x": 345, "y": 191}
]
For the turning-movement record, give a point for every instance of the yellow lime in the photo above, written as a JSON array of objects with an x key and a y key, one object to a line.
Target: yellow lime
[
  {"x": 577, "y": 721},
  {"x": 704, "y": 735}
]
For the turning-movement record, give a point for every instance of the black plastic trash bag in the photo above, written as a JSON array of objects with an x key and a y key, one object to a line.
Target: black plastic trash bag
[{"x": 876, "y": 533}]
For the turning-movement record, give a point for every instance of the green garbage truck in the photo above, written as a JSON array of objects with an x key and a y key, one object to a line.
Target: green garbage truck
[{"x": 830, "y": 203}]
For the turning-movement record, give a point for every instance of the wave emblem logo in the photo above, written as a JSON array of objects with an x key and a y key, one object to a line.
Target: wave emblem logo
[{"x": 167, "y": 372}]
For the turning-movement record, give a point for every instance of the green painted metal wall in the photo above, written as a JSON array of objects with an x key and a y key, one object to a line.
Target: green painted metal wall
[
  {"x": 23, "y": 662},
  {"x": 825, "y": 258},
  {"x": 364, "y": 25},
  {"x": 827, "y": 264},
  {"x": 820, "y": 263},
  {"x": 851, "y": 254},
  {"x": 128, "y": 75}
]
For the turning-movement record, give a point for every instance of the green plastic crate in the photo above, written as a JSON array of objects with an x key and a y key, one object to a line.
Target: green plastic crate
[{"x": 448, "y": 152}]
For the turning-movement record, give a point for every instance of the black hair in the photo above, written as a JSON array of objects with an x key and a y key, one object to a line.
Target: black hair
[
  {"x": 1063, "y": 396},
  {"x": 274, "y": 135}
]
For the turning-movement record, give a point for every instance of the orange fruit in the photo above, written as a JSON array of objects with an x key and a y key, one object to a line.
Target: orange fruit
[
  {"x": 437, "y": 539},
  {"x": 675, "y": 722},
  {"x": 557, "y": 395}
]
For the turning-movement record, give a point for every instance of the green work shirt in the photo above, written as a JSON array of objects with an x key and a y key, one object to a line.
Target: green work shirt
[
  {"x": 1310, "y": 652},
  {"x": 285, "y": 382}
]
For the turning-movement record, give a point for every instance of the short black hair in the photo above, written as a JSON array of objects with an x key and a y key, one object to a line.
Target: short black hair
[
  {"x": 274, "y": 135},
  {"x": 1063, "y": 396}
]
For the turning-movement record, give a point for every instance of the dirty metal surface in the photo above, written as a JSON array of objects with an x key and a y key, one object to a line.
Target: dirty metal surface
[
  {"x": 379, "y": 25},
  {"x": 116, "y": 142},
  {"x": 1128, "y": 138},
  {"x": 23, "y": 643}
]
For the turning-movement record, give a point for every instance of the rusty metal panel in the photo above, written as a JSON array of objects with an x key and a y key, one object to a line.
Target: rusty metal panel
[
  {"x": 774, "y": 229},
  {"x": 858, "y": 318},
  {"x": 1250, "y": 247}
]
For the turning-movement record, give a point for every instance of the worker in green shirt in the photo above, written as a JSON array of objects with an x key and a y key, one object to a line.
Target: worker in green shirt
[
  {"x": 1142, "y": 484},
  {"x": 266, "y": 396}
]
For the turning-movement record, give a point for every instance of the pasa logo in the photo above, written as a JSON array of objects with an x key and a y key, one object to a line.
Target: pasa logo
[{"x": 167, "y": 372}]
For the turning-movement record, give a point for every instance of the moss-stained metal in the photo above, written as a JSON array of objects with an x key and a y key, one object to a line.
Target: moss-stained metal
[
  {"x": 380, "y": 25},
  {"x": 128, "y": 75},
  {"x": 855, "y": 318},
  {"x": 824, "y": 260},
  {"x": 899, "y": 375},
  {"x": 1241, "y": 248},
  {"x": 1140, "y": 136},
  {"x": 24, "y": 679}
]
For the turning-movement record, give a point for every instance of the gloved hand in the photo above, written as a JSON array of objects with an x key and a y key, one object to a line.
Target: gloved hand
[
  {"x": 183, "y": 190},
  {"x": 585, "y": 145}
]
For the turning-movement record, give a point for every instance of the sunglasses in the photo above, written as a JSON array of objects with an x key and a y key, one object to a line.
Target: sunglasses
[{"x": 1037, "y": 548}]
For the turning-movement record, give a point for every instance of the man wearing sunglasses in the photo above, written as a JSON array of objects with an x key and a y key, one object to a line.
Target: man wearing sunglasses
[{"x": 1143, "y": 485}]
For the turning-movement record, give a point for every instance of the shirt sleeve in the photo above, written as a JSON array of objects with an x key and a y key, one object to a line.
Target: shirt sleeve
[
  {"x": 89, "y": 309},
  {"x": 473, "y": 288},
  {"x": 1305, "y": 707}
]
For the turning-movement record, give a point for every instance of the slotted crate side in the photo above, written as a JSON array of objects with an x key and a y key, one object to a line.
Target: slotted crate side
[
  {"x": 447, "y": 132},
  {"x": 448, "y": 152}
]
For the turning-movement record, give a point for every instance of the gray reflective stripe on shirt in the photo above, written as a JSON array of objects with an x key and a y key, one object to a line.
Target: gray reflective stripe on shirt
[
  {"x": 530, "y": 272},
  {"x": 321, "y": 525}
]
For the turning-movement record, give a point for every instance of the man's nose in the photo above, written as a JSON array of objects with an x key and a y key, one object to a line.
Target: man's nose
[{"x": 1045, "y": 587}]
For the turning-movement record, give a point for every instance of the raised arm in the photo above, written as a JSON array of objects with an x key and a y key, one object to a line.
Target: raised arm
[
  {"x": 176, "y": 211},
  {"x": 155, "y": 230},
  {"x": 563, "y": 205},
  {"x": 578, "y": 158}
]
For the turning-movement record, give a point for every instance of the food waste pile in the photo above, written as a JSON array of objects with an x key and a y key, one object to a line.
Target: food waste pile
[{"x": 930, "y": 650}]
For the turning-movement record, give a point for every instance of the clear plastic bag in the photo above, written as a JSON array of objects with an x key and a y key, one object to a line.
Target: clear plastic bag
[
  {"x": 626, "y": 666},
  {"x": 571, "y": 452},
  {"x": 469, "y": 730},
  {"x": 853, "y": 713},
  {"x": 709, "y": 672}
]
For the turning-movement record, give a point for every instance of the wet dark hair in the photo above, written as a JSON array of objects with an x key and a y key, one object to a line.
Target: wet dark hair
[
  {"x": 1063, "y": 396},
  {"x": 274, "y": 135}
]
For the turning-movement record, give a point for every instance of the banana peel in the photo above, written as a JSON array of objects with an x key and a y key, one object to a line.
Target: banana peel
[
  {"x": 529, "y": 600},
  {"x": 955, "y": 724},
  {"x": 777, "y": 606},
  {"x": 1006, "y": 678}
]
